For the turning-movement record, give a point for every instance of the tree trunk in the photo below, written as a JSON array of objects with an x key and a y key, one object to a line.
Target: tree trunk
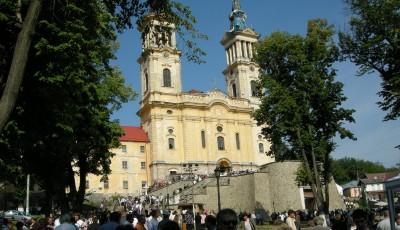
[
  {"x": 326, "y": 206},
  {"x": 317, "y": 177},
  {"x": 80, "y": 194},
  {"x": 314, "y": 187},
  {"x": 19, "y": 61},
  {"x": 327, "y": 178},
  {"x": 70, "y": 177}
]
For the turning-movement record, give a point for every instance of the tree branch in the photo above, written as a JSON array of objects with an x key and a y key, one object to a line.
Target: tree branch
[{"x": 19, "y": 61}]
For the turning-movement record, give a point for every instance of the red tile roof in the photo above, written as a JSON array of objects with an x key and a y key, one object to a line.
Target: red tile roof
[
  {"x": 194, "y": 91},
  {"x": 373, "y": 178},
  {"x": 135, "y": 134}
]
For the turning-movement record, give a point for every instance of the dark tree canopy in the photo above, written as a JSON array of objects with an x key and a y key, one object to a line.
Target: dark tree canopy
[
  {"x": 61, "y": 128},
  {"x": 373, "y": 44},
  {"x": 348, "y": 169}
]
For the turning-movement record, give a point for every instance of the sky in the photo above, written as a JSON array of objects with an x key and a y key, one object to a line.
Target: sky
[{"x": 375, "y": 139}]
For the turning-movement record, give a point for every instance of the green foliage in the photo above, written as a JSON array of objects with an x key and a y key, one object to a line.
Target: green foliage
[
  {"x": 300, "y": 91},
  {"x": 348, "y": 169},
  {"x": 61, "y": 127},
  {"x": 301, "y": 109},
  {"x": 373, "y": 44},
  {"x": 62, "y": 120},
  {"x": 302, "y": 176}
]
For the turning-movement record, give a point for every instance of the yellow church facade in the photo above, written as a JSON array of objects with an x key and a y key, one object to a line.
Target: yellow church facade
[{"x": 178, "y": 128}]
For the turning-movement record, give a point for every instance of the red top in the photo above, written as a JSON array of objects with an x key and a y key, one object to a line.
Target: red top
[{"x": 135, "y": 134}]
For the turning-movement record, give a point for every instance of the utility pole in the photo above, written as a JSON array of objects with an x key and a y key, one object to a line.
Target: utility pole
[{"x": 27, "y": 194}]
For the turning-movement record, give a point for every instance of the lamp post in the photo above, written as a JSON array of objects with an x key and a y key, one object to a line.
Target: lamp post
[
  {"x": 217, "y": 172},
  {"x": 191, "y": 168}
]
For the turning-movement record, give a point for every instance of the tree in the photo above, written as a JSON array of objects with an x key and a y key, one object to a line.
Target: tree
[
  {"x": 373, "y": 44},
  {"x": 348, "y": 169},
  {"x": 60, "y": 128},
  {"x": 301, "y": 109},
  {"x": 17, "y": 43}
]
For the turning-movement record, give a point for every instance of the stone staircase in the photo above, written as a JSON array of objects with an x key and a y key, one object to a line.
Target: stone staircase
[{"x": 185, "y": 192}]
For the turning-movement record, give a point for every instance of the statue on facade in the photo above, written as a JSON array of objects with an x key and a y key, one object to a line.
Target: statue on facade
[{"x": 237, "y": 17}]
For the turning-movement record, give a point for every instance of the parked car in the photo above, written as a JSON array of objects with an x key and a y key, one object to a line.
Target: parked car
[{"x": 16, "y": 215}]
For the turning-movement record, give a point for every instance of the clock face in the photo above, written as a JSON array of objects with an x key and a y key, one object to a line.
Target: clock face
[{"x": 166, "y": 54}]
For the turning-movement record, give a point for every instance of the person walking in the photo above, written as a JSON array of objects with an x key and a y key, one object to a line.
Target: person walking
[{"x": 291, "y": 219}]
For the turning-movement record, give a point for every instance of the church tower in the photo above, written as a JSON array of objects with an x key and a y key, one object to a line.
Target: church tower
[
  {"x": 241, "y": 74},
  {"x": 160, "y": 59}
]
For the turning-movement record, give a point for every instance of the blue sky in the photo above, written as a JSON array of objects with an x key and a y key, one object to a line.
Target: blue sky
[{"x": 375, "y": 139}]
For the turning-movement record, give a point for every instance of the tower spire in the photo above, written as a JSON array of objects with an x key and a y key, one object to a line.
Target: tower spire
[{"x": 237, "y": 17}]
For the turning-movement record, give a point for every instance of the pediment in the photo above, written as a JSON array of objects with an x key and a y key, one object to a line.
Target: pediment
[{"x": 249, "y": 31}]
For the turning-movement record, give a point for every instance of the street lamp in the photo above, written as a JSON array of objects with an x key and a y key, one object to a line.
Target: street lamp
[{"x": 218, "y": 171}]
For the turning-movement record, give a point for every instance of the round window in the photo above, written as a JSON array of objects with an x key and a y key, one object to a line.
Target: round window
[
  {"x": 259, "y": 137},
  {"x": 169, "y": 111},
  {"x": 170, "y": 131},
  {"x": 219, "y": 129}
]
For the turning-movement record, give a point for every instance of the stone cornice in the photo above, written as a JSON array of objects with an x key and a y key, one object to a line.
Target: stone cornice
[
  {"x": 203, "y": 101},
  {"x": 236, "y": 64},
  {"x": 154, "y": 52},
  {"x": 229, "y": 36}
]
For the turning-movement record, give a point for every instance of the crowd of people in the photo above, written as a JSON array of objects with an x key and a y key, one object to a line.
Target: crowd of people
[
  {"x": 154, "y": 219},
  {"x": 185, "y": 219}
]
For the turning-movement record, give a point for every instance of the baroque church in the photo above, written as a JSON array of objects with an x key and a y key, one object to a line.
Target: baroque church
[
  {"x": 195, "y": 132},
  {"x": 197, "y": 129}
]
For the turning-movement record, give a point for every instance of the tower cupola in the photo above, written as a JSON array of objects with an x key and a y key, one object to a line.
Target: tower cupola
[
  {"x": 160, "y": 59},
  {"x": 241, "y": 73}
]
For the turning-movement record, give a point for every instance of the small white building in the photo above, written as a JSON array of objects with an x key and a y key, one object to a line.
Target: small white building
[{"x": 374, "y": 186}]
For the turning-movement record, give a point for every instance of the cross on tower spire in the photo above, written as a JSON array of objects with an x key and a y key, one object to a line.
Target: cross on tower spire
[{"x": 235, "y": 5}]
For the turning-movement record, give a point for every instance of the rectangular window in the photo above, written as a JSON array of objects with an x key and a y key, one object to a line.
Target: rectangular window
[
  {"x": 142, "y": 148},
  {"x": 143, "y": 165},
  {"x": 124, "y": 149},
  {"x": 203, "y": 139},
  {"x": 125, "y": 184},
  {"x": 171, "y": 143},
  {"x": 144, "y": 184},
  {"x": 220, "y": 143},
  {"x": 105, "y": 184},
  {"x": 260, "y": 148},
  {"x": 237, "y": 141},
  {"x": 87, "y": 184},
  {"x": 125, "y": 164}
]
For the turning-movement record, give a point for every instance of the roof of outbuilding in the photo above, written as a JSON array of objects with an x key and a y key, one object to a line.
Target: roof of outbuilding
[
  {"x": 374, "y": 178},
  {"x": 134, "y": 134},
  {"x": 351, "y": 184}
]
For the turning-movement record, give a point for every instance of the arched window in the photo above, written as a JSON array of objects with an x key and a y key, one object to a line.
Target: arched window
[
  {"x": 234, "y": 93},
  {"x": 171, "y": 143},
  {"x": 221, "y": 143},
  {"x": 146, "y": 82},
  {"x": 167, "y": 78},
  {"x": 254, "y": 88},
  {"x": 237, "y": 141},
  {"x": 261, "y": 148}
]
